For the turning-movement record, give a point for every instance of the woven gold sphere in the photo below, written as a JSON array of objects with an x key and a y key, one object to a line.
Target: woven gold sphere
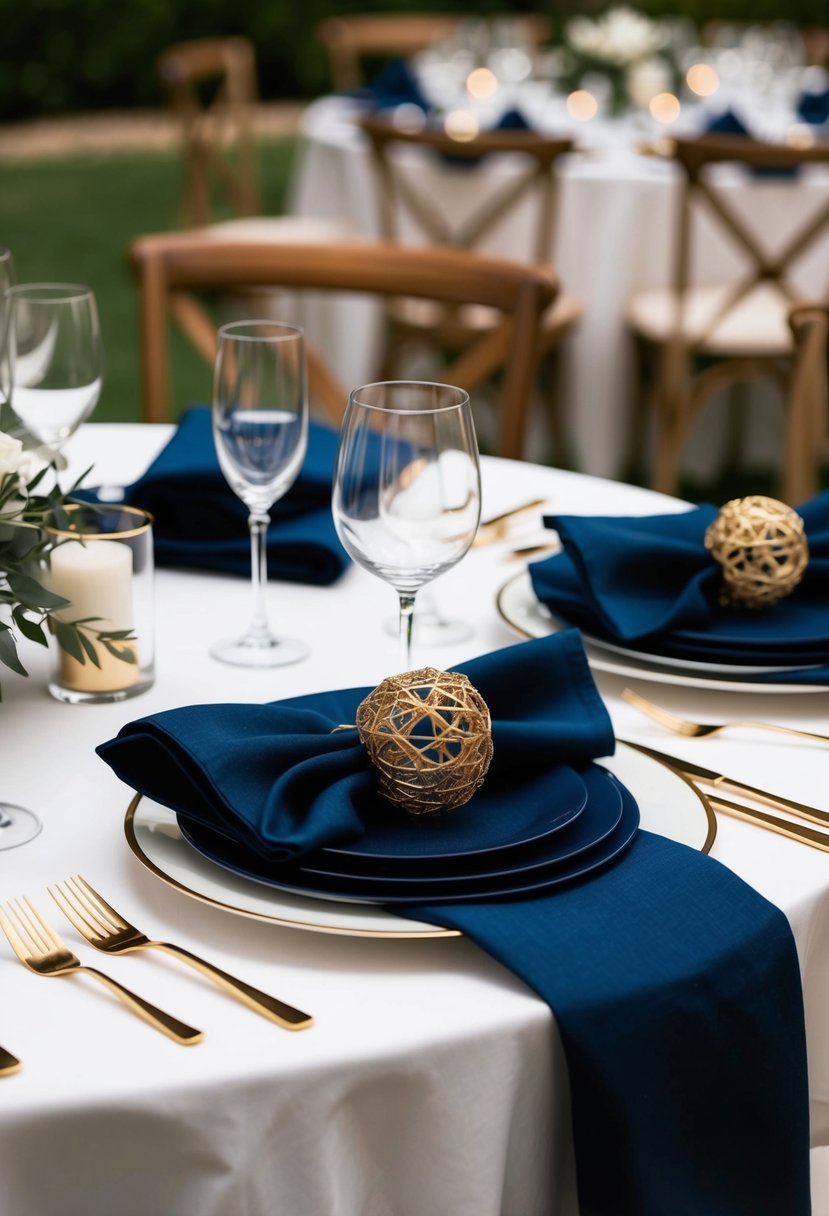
[
  {"x": 429, "y": 735},
  {"x": 762, "y": 548}
]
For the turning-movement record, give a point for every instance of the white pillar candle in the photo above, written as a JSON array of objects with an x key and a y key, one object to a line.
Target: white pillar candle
[{"x": 96, "y": 577}]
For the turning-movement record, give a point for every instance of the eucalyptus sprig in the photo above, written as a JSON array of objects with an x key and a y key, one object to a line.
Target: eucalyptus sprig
[{"x": 27, "y": 509}]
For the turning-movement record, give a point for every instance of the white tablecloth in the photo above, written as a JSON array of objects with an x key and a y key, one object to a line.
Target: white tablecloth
[
  {"x": 432, "y": 1081},
  {"x": 617, "y": 212}
]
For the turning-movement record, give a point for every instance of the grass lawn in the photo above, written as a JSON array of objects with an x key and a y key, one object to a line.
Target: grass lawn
[{"x": 71, "y": 220}]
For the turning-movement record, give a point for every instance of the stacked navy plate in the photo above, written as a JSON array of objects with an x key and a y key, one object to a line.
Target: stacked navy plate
[
  {"x": 282, "y": 794},
  {"x": 647, "y": 588}
]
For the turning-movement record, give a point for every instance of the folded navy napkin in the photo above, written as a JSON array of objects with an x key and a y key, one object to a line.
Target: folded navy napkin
[
  {"x": 675, "y": 986},
  {"x": 649, "y": 582},
  {"x": 395, "y": 85},
  {"x": 275, "y": 778},
  {"x": 814, "y": 107},
  {"x": 201, "y": 524}
]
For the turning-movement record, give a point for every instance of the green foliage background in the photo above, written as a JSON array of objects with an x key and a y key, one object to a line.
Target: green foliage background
[{"x": 64, "y": 55}]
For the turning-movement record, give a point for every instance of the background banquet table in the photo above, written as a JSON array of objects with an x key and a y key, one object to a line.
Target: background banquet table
[
  {"x": 616, "y": 221},
  {"x": 433, "y": 1079}
]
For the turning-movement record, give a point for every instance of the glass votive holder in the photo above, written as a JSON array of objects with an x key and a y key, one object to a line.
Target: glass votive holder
[{"x": 102, "y": 562}]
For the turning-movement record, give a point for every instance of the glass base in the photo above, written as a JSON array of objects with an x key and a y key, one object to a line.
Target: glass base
[
  {"x": 78, "y": 696},
  {"x": 17, "y": 825},
  {"x": 430, "y": 629},
  {"x": 259, "y": 652}
]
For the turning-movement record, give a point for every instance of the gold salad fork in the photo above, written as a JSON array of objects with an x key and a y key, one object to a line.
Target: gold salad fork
[
  {"x": 704, "y": 730},
  {"x": 41, "y": 950},
  {"x": 106, "y": 930},
  {"x": 8, "y": 1063}
]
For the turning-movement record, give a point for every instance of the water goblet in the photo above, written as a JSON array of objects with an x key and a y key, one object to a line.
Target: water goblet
[
  {"x": 18, "y": 825},
  {"x": 407, "y": 486},
  {"x": 260, "y": 428},
  {"x": 54, "y": 358}
]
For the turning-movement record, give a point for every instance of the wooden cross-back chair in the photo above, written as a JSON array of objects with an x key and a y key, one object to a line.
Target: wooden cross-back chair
[
  {"x": 350, "y": 39},
  {"x": 173, "y": 269},
  {"x": 411, "y": 205},
  {"x": 210, "y": 85},
  {"x": 712, "y": 336},
  {"x": 808, "y": 403}
]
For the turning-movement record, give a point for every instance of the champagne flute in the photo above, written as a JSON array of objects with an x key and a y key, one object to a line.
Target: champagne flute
[
  {"x": 407, "y": 486},
  {"x": 260, "y": 428},
  {"x": 17, "y": 824},
  {"x": 54, "y": 364}
]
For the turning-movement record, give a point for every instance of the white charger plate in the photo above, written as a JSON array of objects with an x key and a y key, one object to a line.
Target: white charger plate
[
  {"x": 668, "y": 804},
  {"x": 521, "y": 610}
]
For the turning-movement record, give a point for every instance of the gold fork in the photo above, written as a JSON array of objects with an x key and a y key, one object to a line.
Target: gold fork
[
  {"x": 41, "y": 950},
  {"x": 704, "y": 730},
  {"x": 106, "y": 930},
  {"x": 8, "y": 1063}
]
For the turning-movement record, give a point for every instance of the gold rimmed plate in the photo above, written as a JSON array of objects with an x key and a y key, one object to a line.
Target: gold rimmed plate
[
  {"x": 668, "y": 805},
  {"x": 519, "y": 608}
]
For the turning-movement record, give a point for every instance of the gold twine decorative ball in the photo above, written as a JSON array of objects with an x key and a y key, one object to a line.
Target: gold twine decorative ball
[
  {"x": 762, "y": 548},
  {"x": 429, "y": 735}
]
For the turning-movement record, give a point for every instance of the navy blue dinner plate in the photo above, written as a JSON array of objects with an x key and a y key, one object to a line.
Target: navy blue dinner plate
[{"x": 605, "y": 827}]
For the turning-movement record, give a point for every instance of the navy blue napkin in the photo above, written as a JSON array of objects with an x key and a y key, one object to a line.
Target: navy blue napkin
[
  {"x": 648, "y": 582},
  {"x": 395, "y": 85},
  {"x": 201, "y": 524},
  {"x": 675, "y": 986},
  {"x": 728, "y": 123},
  {"x": 814, "y": 107},
  {"x": 276, "y": 779},
  {"x": 676, "y": 990}
]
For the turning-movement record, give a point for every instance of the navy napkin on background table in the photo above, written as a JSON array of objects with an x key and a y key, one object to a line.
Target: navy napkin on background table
[
  {"x": 814, "y": 107},
  {"x": 201, "y": 524},
  {"x": 676, "y": 987},
  {"x": 649, "y": 583},
  {"x": 728, "y": 123}
]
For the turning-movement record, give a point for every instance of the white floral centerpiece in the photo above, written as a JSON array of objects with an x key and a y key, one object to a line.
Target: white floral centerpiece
[
  {"x": 632, "y": 52},
  {"x": 26, "y": 603}
]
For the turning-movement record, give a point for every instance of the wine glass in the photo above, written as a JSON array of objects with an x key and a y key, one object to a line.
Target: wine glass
[
  {"x": 54, "y": 364},
  {"x": 260, "y": 428},
  {"x": 17, "y": 824},
  {"x": 407, "y": 486}
]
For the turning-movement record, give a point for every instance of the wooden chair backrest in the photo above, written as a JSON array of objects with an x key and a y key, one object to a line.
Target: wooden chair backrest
[
  {"x": 210, "y": 85},
  {"x": 350, "y": 38},
  {"x": 808, "y": 404},
  {"x": 695, "y": 157},
  {"x": 401, "y": 195},
  {"x": 170, "y": 267}
]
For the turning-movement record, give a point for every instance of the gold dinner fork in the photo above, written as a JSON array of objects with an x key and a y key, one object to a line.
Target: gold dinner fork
[
  {"x": 41, "y": 950},
  {"x": 106, "y": 930},
  {"x": 704, "y": 730}
]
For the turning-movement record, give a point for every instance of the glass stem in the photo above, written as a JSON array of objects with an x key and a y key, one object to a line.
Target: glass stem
[
  {"x": 258, "y": 525},
  {"x": 407, "y": 603}
]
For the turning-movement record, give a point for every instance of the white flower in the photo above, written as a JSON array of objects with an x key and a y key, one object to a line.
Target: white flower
[
  {"x": 647, "y": 78},
  {"x": 11, "y": 454},
  {"x": 620, "y": 37}
]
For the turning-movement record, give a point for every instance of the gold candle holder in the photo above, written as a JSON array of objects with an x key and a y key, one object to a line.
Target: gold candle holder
[{"x": 103, "y": 564}]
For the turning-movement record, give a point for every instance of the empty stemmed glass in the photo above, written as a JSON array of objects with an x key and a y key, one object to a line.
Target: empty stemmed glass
[
  {"x": 17, "y": 824},
  {"x": 260, "y": 428},
  {"x": 54, "y": 357},
  {"x": 407, "y": 486}
]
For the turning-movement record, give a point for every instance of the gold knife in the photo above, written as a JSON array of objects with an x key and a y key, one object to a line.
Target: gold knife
[
  {"x": 783, "y": 827},
  {"x": 494, "y": 528},
  {"x": 719, "y": 781}
]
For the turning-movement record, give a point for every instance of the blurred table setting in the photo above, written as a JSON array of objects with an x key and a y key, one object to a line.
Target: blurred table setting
[
  {"x": 433, "y": 1040},
  {"x": 620, "y": 86}
]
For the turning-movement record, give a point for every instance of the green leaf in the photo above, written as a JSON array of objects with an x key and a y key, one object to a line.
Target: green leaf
[
  {"x": 67, "y": 637},
  {"x": 33, "y": 630},
  {"x": 32, "y": 595},
  {"x": 8, "y": 652},
  {"x": 89, "y": 649},
  {"x": 124, "y": 653}
]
